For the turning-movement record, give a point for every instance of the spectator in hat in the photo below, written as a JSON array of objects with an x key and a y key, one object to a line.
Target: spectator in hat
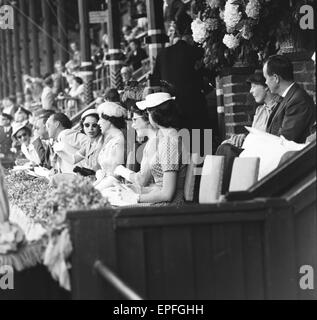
[
  {"x": 112, "y": 123},
  {"x": 136, "y": 55},
  {"x": 22, "y": 133},
  {"x": 22, "y": 116},
  {"x": 267, "y": 102},
  {"x": 87, "y": 156}
]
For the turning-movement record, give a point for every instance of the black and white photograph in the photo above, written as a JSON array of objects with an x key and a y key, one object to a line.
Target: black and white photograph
[{"x": 158, "y": 150}]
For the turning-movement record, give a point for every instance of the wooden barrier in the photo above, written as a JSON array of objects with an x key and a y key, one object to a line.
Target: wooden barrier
[{"x": 246, "y": 249}]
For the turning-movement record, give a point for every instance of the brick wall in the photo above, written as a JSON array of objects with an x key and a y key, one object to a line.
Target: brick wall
[
  {"x": 239, "y": 108},
  {"x": 304, "y": 73}
]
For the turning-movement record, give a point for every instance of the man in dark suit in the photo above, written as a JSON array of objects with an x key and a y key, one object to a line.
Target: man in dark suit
[
  {"x": 6, "y": 156},
  {"x": 41, "y": 139},
  {"x": 295, "y": 115}
]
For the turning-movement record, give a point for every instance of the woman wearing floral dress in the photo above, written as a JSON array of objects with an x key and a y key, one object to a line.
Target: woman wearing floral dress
[{"x": 168, "y": 167}]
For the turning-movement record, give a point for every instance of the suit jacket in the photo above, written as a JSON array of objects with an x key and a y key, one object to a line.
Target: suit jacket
[
  {"x": 294, "y": 116},
  {"x": 5, "y": 141},
  {"x": 43, "y": 152},
  {"x": 176, "y": 65}
]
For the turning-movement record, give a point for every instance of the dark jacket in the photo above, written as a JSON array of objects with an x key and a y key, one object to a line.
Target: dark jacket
[
  {"x": 5, "y": 141},
  {"x": 177, "y": 65},
  {"x": 294, "y": 116},
  {"x": 43, "y": 152},
  {"x": 135, "y": 58}
]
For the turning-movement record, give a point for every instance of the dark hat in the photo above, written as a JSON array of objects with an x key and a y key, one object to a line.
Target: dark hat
[{"x": 257, "y": 78}]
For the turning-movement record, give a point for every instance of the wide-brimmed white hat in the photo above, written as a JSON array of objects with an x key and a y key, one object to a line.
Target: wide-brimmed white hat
[
  {"x": 16, "y": 127},
  {"x": 89, "y": 112},
  {"x": 111, "y": 109},
  {"x": 153, "y": 100}
]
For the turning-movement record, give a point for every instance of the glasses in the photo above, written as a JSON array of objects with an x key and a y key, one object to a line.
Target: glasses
[
  {"x": 93, "y": 125},
  {"x": 22, "y": 135}
]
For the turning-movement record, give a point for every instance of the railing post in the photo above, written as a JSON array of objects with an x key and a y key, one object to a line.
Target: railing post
[
  {"x": 62, "y": 31},
  {"x": 25, "y": 36},
  {"x": 86, "y": 63},
  {"x": 156, "y": 31},
  {"x": 35, "y": 49},
  {"x": 115, "y": 60},
  {"x": 17, "y": 52},
  {"x": 48, "y": 43}
]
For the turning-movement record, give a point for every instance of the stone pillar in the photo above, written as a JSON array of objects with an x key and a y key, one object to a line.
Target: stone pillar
[
  {"x": 48, "y": 35},
  {"x": 220, "y": 109},
  {"x": 62, "y": 31},
  {"x": 17, "y": 52},
  {"x": 35, "y": 49},
  {"x": 25, "y": 37},
  {"x": 156, "y": 31},
  {"x": 86, "y": 63},
  {"x": 237, "y": 106},
  {"x": 9, "y": 55},
  {"x": 115, "y": 56}
]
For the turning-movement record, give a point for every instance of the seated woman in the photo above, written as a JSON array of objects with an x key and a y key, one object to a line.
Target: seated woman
[
  {"x": 141, "y": 180},
  {"x": 22, "y": 134},
  {"x": 112, "y": 122},
  {"x": 87, "y": 156},
  {"x": 168, "y": 168}
]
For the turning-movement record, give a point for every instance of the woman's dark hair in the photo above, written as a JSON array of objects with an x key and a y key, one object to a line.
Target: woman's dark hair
[
  {"x": 96, "y": 116},
  {"x": 281, "y": 66},
  {"x": 144, "y": 114},
  {"x": 118, "y": 122},
  {"x": 63, "y": 120},
  {"x": 166, "y": 115},
  {"x": 112, "y": 95}
]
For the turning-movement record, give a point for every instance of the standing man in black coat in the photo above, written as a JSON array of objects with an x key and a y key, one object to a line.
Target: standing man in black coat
[{"x": 178, "y": 65}]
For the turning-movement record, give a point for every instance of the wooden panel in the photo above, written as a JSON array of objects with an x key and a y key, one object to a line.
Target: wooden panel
[
  {"x": 178, "y": 263},
  {"x": 280, "y": 255},
  {"x": 131, "y": 260},
  {"x": 154, "y": 263},
  {"x": 204, "y": 287},
  {"x": 227, "y": 261},
  {"x": 306, "y": 245},
  {"x": 92, "y": 239},
  {"x": 253, "y": 251}
]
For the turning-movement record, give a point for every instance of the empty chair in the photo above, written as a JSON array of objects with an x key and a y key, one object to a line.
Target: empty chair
[
  {"x": 245, "y": 173},
  {"x": 192, "y": 179},
  {"x": 211, "y": 179}
]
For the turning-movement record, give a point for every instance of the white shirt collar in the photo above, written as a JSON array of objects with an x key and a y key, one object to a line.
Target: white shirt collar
[{"x": 287, "y": 89}]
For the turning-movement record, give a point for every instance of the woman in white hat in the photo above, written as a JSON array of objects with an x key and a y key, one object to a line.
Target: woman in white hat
[
  {"x": 22, "y": 134},
  {"x": 87, "y": 156},
  {"x": 112, "y": 122},
  {"x": 168, "y": 168}
]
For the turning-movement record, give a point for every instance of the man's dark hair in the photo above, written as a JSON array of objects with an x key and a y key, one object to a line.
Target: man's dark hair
[
  {"x": 63, "y": 120},
  {"x": 112, "y": 95},
  {"x": 281, "y": 66},
  {"x": 44, "y": 115},
  {"x": 6, "y": 115}
]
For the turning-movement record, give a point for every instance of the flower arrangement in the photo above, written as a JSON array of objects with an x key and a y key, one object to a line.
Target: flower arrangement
[
  {"x": 245, "y": 31},
  {"x": 48, "y": 205}
]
